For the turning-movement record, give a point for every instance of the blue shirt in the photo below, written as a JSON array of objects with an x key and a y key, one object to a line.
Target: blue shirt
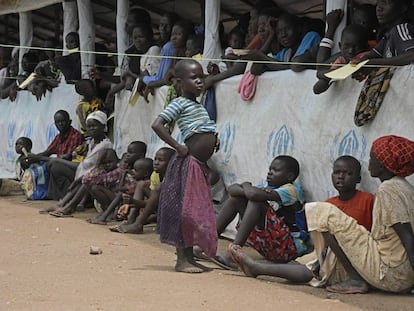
[
  {"x": 191, "y": 117},
  {"x": 165, "y": 63},
  {"x": 311, "y": 39},
  {"x": 289, "y": 194}
]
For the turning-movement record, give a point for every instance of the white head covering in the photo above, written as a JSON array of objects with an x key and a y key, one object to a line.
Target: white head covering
[{"x": 99, "y": 116}]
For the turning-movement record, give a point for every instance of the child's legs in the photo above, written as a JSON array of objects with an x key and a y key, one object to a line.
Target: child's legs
[
  {"x": 150, "y": 207},
  {"x": 254, "y": 215},
  {"x": 102, "y": 194},
  {"x": 111, "y": 207},
  {"x": 79, "y": 193},
  {"x": 229, "y": 211}
]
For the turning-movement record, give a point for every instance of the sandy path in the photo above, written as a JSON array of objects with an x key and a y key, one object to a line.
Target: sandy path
[{"x": 45, "y": 265}]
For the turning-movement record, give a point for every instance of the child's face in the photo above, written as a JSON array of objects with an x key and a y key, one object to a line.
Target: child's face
[
  {"x": 278, "y": 174},
  {"x": 109, "y": 163},
  {"x": 236, "y": 41},
  {"x": 62, "y": 123},
  {"x": 262, "y": 27},
  {"x": 95, "y": 128},
  {"x": 27, "y": 65},
  {"x": 71, "y": 42},
  {"x": 362, "y": 18},
  {"x": 388, "y": 11},
  {"x": 139, "y": 39},
  {"x": 139, "y": 172},
  {"x": 19, "y": 145},
  {"x": 287, "y": 34},
  {"x": 161, "y": 162},
  {"x": 344, "y": 176},
  {"x": 178, "y": 38},
  {"x": 132, "y": 155},
  {"x": 351, "y": 45},
  {"x": 192, "y": 83},
  {"x": 165, "y": 28}
]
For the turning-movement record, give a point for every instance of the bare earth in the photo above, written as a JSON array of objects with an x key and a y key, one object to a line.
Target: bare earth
[{"x": 45, "y": 265}]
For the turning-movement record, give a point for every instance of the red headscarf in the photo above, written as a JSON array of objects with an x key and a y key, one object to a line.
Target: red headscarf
[{"x": 395, "y": 153}]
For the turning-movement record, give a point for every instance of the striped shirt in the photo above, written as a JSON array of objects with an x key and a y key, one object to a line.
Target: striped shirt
[
  {"x": 191, "y": 117},
  {"x": 398, "y": 40}
]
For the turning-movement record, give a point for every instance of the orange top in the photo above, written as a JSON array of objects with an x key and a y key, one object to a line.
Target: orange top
[
  {"x": 255, "y": 44},
  {"x": 358, "y": 207}
]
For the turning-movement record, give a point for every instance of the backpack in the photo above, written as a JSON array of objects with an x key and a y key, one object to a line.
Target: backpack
[{"x": 35, "y": 181}]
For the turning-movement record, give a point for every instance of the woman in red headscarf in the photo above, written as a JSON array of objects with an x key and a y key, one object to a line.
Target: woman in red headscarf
[{"x": 384, "y": 257}]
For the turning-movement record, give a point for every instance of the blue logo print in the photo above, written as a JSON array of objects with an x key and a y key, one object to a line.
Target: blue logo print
[
  {"x": 227, "y": 134},
  {"x": 349, "y": 144},
  {"x": 280, "y": 142}
]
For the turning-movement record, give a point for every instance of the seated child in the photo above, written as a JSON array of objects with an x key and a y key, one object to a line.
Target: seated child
[
  {"x": 89, "y": 102},
  {"x": 10, "y": 88},
  {"x": 267, "y": 212},
  {"x": 354, "y": 46},
  {"x": 365, "y": 16},
  {"x": 346, "y": 174},
  {"x": 136, "y": 150},
  {"x": 151, "y": 191},
  {"x": 141, "y": 171},
  {"x": 23, "y": 146}
]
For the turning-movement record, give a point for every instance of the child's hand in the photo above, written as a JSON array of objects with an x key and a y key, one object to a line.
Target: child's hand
[
  {"x": 182, "y": 150},
  {"x": 334, "y": 18},
  {"x": 148, "y": 90},
  {"x": 123, "y": 211},
  {"x": 212, "y": 68}
]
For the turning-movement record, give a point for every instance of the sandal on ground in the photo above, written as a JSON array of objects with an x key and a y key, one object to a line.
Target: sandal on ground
[
  {"x": 198, "y": 254},
  {"x": 60, "y": 214},
  {"x": 221, "y": 261}
]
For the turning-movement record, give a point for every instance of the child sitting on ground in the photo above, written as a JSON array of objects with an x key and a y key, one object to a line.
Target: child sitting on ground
[
  {"x": 267, "y": 212},
  {"x": 354, "y": 46},
  {"x": 89, "y": 102},
  {"x": 141, "y": 171},
  {"x": 23, "y": 146},
  {"x": 144, "y": 189},
  {"x": 346, "y": 174}
]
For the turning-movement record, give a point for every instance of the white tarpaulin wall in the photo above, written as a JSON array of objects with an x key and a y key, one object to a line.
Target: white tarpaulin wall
[
  {"x": 33, "y": 119},
  {"x": 285, "y": 118}
]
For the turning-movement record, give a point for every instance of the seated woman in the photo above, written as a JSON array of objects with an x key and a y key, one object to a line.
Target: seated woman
[
  {"x": 96, "y": 126},
  {"x": 179, "y": 35},
  {"x": 147, "y": 64},
  {"x": 296, "y": 47}
]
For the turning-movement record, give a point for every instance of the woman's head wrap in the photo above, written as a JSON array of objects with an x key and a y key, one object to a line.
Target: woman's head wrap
[
  {"x": 395, "y": 153},
  {"x": 99, "y": 116}
]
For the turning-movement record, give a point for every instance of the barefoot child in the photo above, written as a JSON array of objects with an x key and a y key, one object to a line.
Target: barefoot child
[
  {"x": 151, "y": 191},
  {"x": 267, "y": 212},
  {"x": 185, "y": 199}
]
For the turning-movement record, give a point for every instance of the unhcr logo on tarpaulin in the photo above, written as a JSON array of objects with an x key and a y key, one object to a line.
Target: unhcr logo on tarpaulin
[
  {"x": 348, "y": 144},
  {"x": 280, "y": 142}
]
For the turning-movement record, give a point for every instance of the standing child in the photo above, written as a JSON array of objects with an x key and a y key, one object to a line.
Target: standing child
[
  {"x": 186, "y": 213},
  {"x": 267, "y": 211}
]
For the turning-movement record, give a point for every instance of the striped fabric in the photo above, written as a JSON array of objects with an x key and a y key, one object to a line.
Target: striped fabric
[
  {"x": 398, "y": 40},
  {"x": 191, "y": 117}
]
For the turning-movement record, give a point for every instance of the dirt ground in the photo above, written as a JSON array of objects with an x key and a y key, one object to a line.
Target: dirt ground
[{"x": 45, "y": 265}]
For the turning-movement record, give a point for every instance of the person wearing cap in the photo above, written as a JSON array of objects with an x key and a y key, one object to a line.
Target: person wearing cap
[
  {"x": 384, "y": 257},
  {"x": 96, "y": 126}
]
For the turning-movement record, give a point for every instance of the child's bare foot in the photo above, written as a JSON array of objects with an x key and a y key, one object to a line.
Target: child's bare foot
[
  {"x": 47, "y": 210},
  {"x": 187, "y": 267},
  {"x": 244, "y": 262},
  {"x": 97, "y": 220},
  {"x": 135, "y": 228}
]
